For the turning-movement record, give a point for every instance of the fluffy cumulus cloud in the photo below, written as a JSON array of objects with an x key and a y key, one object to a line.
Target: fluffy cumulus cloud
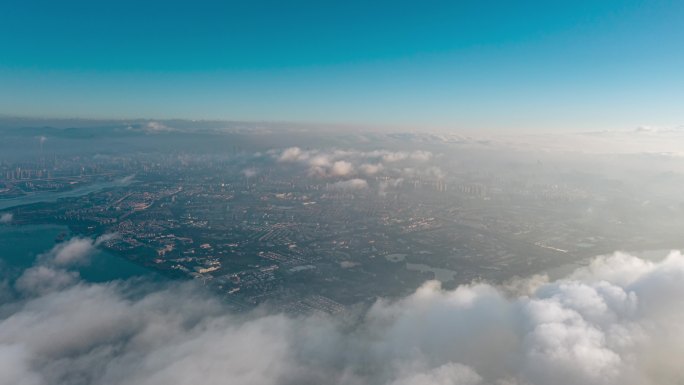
[
  {"x": 351, "y": 184},
  {"x": 341, "y": 168},
  {"x": 52, "y": 272},
  {"x": 6, "y": 217},
  {"x": 422, "y": 156},
  {"x": 293, "y": 154},
  {"x": 76, "y": 251},
  {"x": 346, "y": 163},
  {"x": 43, "y": 279},
  {"x": 371, "y": 169},
  {"x": 620, "y": 320},
  {"x": 154, "y": 127}
]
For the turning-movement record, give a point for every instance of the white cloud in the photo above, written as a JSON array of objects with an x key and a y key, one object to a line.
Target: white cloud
[
  {"x": 447, "y": 374},
  {"x": 422, "y": 156},
  {"x": 344, "y": 163},
  {"x": 371, "y": 169},
  {"x": 351, "y": 184},
  {"x": 14, "y": 366},
  {"x": 341, "y": 168},
  {"x": 319, "y": 161},
  {"x": 156, "y": 127},
  {"x": 348, "y": 264},
  {"x": 426, "y": 172},
  {"x": 50, "y": 272},
  {"x": 73, "y": 252},
  {"x": 620, "y": 320},
  {"x": 6, "y": 217},
  {"x": 394, "y": 156},
  {"x": 397, "y": 156},
  {"x": 292, "y": 154},
  {"x": 39, "y": 280},
  {"x": 650, "y": 140}
]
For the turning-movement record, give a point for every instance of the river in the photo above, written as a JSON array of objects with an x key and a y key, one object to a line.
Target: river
[
  {"x": 20, "y": 245},
  {"x": 48, "y": 196}
]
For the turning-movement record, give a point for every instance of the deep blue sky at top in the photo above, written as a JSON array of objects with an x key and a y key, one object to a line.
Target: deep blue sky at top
[{"x": 485, "y": 64}]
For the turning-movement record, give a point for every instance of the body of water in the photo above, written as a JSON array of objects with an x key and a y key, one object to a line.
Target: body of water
[
  {"x": 20, "y": 245},
  {"x": 48, "y": 196},
  {"x": 442, "y": 275}
]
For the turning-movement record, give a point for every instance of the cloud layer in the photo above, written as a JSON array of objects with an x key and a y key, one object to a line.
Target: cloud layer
[
  {"x": 618, "y": 321},
  {"x": 52, "y": 270},
  {"x": 6, "y": 217},
  {"x": 342, "y": 163},
  {"x": 351, "y": 184},
  {"x": 353, "y": 169}
]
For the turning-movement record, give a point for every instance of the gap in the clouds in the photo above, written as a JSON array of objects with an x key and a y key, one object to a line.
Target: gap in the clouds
[{"x": 20, "y": 245}]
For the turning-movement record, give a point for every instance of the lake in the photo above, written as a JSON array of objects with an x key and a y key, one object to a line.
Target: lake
[{"x": 20, "y": 245}]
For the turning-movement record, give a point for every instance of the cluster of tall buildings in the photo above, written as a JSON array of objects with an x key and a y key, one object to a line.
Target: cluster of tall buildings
[{"x": 19, "y": 173}]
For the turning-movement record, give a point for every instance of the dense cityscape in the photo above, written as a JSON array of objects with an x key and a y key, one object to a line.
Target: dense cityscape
[{"x": 324, "y": 230}]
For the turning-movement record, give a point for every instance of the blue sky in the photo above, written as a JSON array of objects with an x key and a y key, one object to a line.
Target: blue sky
[{"x": 473, "y": 65}]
